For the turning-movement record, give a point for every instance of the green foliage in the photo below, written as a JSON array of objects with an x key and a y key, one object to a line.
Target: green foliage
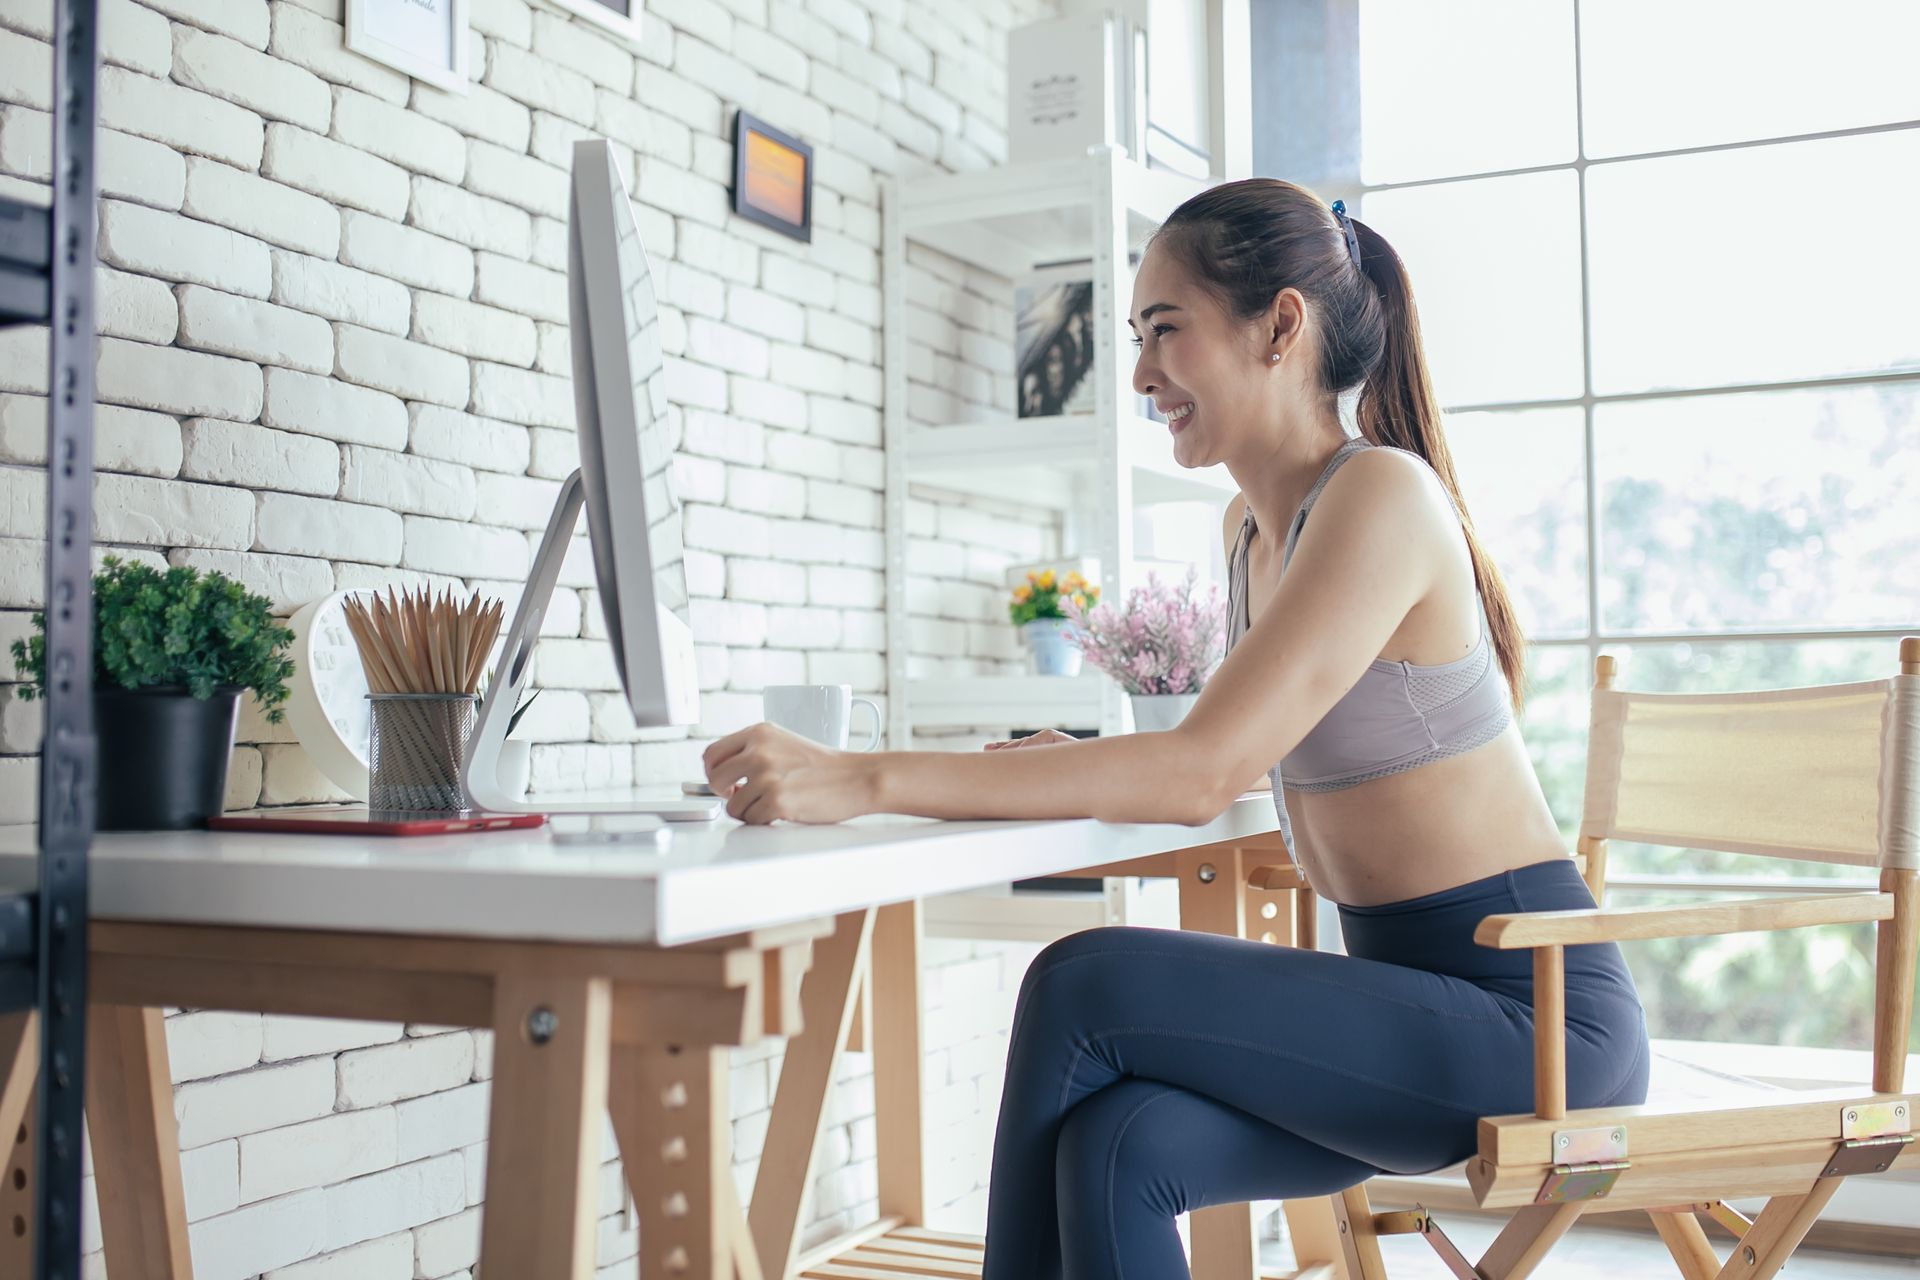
[
  {"x": 514, "y": 722},
  {"x": 175, "y": 629}
]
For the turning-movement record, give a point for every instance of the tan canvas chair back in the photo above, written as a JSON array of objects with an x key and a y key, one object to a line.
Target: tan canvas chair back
[{"x": 1828, "y": 773}]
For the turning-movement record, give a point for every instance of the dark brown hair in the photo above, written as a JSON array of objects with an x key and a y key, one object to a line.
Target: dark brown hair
[{"x": 1246, "y": 241}]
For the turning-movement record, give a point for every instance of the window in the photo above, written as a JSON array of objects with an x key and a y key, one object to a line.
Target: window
[{"x": 1665, "y": 256}]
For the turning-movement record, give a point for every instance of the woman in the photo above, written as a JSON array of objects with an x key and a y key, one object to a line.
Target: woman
[{"x": 1375, "y": 655}]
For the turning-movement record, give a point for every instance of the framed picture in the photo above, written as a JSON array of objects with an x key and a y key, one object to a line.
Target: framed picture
[
  {"x": 622, "y": 17},
  {"x": 426, "y": 39},
  {"x": 1053, "y": 339},
  {"x": 772, "y": 177},
  {"x": 1053, "y": 344}
]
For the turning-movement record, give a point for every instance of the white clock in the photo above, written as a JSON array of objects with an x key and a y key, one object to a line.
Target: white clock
[{"x": 327, "y": 696}]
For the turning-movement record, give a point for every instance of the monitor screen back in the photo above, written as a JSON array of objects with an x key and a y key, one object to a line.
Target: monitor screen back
[{"x": 627, "y": 445}]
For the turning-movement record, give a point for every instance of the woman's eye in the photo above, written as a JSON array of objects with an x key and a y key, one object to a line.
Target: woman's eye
[{"x": 1158, "y": 331}]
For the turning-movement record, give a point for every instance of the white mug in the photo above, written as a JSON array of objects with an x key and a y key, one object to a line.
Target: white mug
[{"x": 821, "y": 712}]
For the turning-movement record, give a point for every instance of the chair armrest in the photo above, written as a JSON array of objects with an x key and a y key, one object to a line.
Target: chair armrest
[{"x": 1572, "y": 928}]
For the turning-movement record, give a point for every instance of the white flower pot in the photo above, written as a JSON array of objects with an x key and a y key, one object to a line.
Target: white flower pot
[
  {"x": 516, "y": 766},
  {"x": 1156, "y": 711}
]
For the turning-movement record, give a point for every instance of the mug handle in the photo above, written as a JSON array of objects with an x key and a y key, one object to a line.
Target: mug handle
[{"x": 874, "y": 740}]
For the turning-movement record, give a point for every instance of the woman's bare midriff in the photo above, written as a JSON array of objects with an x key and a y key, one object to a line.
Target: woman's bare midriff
[{"x": 1443, "y": 824}]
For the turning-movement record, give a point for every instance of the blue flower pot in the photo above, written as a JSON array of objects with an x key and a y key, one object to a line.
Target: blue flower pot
[{"x": 1052, "y": 653}]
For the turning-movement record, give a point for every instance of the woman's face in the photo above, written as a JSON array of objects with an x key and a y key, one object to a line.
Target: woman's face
[
  {"x": 1056, "y": 367},
  {"x": 1213, "y": 376}
]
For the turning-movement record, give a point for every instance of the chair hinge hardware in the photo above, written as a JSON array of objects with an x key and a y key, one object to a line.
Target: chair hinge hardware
[
  {"x": 1585, "y": 1146},
  {"x": 1456, "y": 1261},
  {"x": 1866, "y": 1155},
  {"x": 1586, "y": 1164},
  {"x": 1589, "y": 1181},
  {"x": 1875, "y": 1120}
]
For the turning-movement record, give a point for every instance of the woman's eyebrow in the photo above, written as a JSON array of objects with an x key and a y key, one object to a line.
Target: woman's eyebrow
[{"x": 1148, "y": 312}]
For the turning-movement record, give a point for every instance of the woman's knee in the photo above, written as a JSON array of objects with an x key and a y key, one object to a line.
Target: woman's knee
[
  {"x": 1112, "y": 1151},
  {"x": 1073, "y": 967}
]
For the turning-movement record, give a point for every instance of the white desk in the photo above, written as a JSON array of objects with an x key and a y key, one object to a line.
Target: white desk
[{"x": 612, "y": 976}]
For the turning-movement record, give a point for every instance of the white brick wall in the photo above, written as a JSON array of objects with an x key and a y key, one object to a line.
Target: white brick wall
[{"x": 335, "y": 353}]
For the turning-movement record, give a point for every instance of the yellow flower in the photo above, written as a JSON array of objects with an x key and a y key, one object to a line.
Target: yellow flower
[
  {"x": 1033, "y": 575},
  {"x": 1022, "y": 594},
  {"x": 1075, "y": 580},
  {"x": 1046, "y": 579}
]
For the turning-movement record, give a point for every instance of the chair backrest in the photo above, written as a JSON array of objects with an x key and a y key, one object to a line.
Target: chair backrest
[{"x": 1828, "y": 773}]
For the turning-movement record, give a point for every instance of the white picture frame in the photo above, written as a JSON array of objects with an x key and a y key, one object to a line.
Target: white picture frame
[
  {"x": 407, "y": 36},
  {"x": 626, "y": 25}
]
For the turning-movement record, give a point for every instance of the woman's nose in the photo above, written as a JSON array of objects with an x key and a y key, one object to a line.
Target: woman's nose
[{"x": 1146, "y": 378}]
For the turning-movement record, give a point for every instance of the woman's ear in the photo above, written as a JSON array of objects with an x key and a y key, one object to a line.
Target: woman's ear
[{"x": 1285, "y": 320}]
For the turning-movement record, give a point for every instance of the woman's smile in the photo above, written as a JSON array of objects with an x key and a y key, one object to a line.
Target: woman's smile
[{"x": 1180, "y": 417}]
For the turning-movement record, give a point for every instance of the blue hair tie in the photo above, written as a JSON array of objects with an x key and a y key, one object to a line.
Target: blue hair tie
[{"x": 1346, "y": 229}]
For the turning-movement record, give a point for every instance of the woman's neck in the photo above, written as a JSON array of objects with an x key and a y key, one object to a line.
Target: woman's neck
[{"x": 1277, "y": 482}]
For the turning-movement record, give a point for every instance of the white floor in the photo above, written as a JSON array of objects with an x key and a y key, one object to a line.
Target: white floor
[{"x": 1602, "y": 1253}]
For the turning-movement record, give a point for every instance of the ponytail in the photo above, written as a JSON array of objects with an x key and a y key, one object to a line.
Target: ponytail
[{"x": 1398, "y": 408}]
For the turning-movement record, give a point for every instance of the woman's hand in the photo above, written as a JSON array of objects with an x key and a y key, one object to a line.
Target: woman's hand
[
  {"x": 1044, "y": 738},
  {"x": 767, "y": 773}
]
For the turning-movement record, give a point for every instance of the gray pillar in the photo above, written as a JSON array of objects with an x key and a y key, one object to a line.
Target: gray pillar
[{"x": 1306, "y": 92}]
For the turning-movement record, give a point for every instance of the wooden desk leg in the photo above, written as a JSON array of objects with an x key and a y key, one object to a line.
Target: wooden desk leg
[
  {"x": 899, "y": 1053},
  {"x": 1214, "y": 899},
  {"x": 552, "y": 1039},
  {"x": 136, "y": 1144},
  {"x": 19, "y": 1064},
  {"x": 672, "y": 1117},
  {"x": 800, "y": 1102}
]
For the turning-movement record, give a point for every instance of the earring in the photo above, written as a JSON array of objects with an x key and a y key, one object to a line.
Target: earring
[{"x": 1275, "y": 356}]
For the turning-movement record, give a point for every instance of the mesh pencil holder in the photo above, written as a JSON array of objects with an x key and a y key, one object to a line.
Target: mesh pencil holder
[{"x": 416, "y": 748}]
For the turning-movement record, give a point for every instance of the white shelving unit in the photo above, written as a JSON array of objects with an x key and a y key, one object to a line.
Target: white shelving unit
[{"x": 1093, "y": 468}]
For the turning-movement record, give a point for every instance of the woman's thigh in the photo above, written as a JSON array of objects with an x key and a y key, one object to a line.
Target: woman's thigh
[{"x": 1388, "y": 1065}]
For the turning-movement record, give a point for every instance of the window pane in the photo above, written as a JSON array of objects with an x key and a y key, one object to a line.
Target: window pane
[
  {"x": 1554, "y": 725},
  {"x": 1464, "y": 87},
  {"x": 1795, "y": 987},
  {"x": 1757, "y": 69},
  {"x": 1523, "y": 476},
  {"x": 1495, "y": 266},
  {"x": 1769, "y": 510},
  {"x": 1764, "y": 264}
]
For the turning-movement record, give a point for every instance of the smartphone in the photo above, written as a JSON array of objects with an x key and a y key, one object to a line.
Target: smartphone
[{"x": 696, "y": 788}]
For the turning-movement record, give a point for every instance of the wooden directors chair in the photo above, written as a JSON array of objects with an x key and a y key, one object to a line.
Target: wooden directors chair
[{"x": 1829, "y": 773}]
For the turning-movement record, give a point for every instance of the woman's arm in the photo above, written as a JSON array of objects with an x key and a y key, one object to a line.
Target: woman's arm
[{"x": 1135, "y": 777}]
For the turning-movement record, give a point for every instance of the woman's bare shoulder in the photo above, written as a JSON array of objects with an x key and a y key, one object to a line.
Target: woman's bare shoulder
[{"x": 1230, "y": 524}]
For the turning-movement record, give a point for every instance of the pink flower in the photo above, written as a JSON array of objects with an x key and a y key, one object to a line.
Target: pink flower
[{"x": 1166, "y": 639}]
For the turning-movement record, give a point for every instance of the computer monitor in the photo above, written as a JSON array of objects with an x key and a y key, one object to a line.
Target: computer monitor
[{"x": 625, "y": 481}]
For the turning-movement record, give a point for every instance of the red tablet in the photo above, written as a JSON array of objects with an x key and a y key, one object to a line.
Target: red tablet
[{"x": 360, "y": 820}]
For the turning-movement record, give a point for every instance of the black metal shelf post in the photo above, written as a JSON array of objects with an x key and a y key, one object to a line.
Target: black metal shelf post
[{"x": 46, "y": 277}]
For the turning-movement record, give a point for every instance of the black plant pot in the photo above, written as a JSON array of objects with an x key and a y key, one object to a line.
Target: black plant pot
[{"x": 163, "y": 756}]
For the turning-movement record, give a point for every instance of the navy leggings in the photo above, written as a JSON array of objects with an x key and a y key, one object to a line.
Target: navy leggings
[{"x": 1154, "y": 1071}]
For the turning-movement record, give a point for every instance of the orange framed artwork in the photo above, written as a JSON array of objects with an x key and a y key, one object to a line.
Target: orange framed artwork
[{"x": 772, "y": 177}]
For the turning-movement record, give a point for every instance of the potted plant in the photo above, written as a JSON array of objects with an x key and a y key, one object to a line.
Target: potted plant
[
  {"x": 1039, "y": 607},
  {"x": 173, "y": 651},
  {"x": 516, "y": 754},
  {"x": 1160, "y": 647}
]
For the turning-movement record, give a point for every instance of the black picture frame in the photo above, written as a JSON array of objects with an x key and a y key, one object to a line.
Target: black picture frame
[{"x": 745, "y": 128}]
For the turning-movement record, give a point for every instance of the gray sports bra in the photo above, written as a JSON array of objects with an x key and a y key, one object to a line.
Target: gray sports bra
[{"x": 1399, "y": 716}]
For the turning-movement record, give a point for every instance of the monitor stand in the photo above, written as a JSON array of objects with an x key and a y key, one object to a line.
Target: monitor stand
[{"x": 481, "y": 776}]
